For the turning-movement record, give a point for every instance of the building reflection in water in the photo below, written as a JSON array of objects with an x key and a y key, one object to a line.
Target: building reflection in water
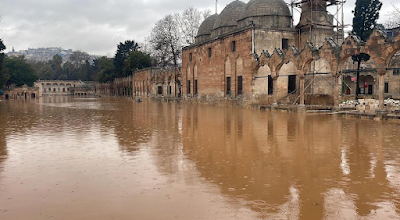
[
  {"x": 294, "y": 165},
  {"x": 278, "y": 165}
]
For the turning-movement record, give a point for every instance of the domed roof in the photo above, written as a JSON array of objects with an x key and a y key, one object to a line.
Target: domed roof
[
  {"x": 230, "y": 15},
  {"x": 207, "y": 25},
  {"x": 258, "y": 8}
]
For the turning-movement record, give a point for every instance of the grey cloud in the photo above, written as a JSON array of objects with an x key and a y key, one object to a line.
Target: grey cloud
[{"x": 97, "y": 26}]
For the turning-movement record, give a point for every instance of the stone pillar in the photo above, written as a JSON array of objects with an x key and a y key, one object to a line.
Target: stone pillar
[
  {"x": 275, "y": 92},
  {"x": 302, "y": 90},
  {"x": 381, "y": 81},
  {"x": 336, "y": 92}
]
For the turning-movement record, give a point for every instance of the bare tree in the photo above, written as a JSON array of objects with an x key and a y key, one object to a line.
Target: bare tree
[
  {"x": 394, "y": 18},
  {"x": 166, "y": 41},
  {"x": 205, "y": 14},
  {"x": 78, "y": 58},
  {"x": 189, "y": 23},
  {"x": 173, "y": 32}
]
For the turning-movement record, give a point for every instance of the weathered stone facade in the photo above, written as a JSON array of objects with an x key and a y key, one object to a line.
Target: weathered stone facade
[
  {"x": 118, "y": 87},
  {"x": 157, "y": 82},
  {"x": 21, "y": 93},
  {"x": 261, "y": 64},
  {"x": 223, "y": 65},
  {"x": 57, "y": 87}
]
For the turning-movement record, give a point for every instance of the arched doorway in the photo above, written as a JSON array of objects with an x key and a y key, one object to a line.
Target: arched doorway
[
  {"x": 33, "y": 95},
  {"x": 7, "y": 97}
]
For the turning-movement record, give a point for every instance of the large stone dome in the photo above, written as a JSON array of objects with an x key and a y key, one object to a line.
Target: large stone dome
[
  {"x": 228, "y": 18},
  {"x": 266, "y": 13},
  {"x": 205, "y": 28}
]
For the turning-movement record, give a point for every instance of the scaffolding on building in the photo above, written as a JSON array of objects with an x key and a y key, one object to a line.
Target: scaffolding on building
[
  {"x": 335, "y": 20},
  {"x": 338, "y": 16}
]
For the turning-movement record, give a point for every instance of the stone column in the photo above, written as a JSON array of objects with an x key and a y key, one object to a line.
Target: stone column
[
  {"x": 302, "y": 90},
  {"x": 336, "y": 92},
  {"x": 381, "y": 81},
  {"x": 275, "y": 90}
]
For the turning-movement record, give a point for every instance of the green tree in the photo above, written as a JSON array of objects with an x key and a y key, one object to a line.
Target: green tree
[
  {"x": 136, "y": 60},
  {"x": 123, "y": 51},
  {"x": 105, "y": 69},
  {"x": 43, "y": 70},
  {"x": 20, "y": 71},
  {"x": 56, "y": 65},
  {"x": 3, "y": 74},
  {"x": 366, "y": 13}
]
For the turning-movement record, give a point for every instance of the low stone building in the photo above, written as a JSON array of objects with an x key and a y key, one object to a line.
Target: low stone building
[
  {"x": 118, "y": 87},
  {"x": 56, "y": 87},
  {"x": 21, "y": 93},
  {"x": 157, "y": 82}
]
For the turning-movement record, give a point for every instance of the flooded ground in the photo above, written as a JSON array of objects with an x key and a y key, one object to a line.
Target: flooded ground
[{"x": 65, "y": 158}]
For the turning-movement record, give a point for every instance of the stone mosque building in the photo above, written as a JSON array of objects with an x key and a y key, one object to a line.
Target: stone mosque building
[{"x": 253, "y": 54}]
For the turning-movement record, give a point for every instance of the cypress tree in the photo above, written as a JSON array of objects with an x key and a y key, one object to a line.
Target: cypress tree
[
  {"x": 2, "y": 74},
  {"x": 366, "y": 13}
]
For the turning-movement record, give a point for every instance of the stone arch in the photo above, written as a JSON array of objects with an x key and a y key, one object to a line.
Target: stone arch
[
  {"x": 228, "y": 67},
  {"x": 195, "y": 79},
  {"x": 195, "y": 71},
  {"x": 319, "y": 78},
  {"x": 188, "y": 80},
  {"x": 239, "y": 76},
  {"x": 228, "y": 77},
  {"x": 33, "y": 95},
  {"x": 348, "y": 69},
  {"x": 262, "y": 80},
  {"x": 239, "y": 66},
  {"x": 7, "y": 97},
  {"x": 391, "y": 51},
  {"x": 287, "y": 80}
]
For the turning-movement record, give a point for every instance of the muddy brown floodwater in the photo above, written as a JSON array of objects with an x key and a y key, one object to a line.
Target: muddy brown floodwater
[{"x": 93, "y": 159}]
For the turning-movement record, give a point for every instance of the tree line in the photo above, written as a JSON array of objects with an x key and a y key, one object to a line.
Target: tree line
[
  {"x": 164, "y": 48},
  {"x": 19, "y": 71}
]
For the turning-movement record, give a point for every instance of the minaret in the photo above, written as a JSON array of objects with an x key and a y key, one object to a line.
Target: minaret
[{"x": 315, "y": 22}]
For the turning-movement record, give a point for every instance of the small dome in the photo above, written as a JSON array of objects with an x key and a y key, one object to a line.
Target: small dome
[
  {"x": 257, "y": 8},
  {"x": 266, "y": 14},
  {"x": 207, "y": 25},
  {"x": 230, "y": 15}
]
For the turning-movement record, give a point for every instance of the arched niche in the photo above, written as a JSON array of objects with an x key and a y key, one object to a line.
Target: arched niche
[
  {"x": 261, "y": 81},
  {"x": 319, "y": 78}
]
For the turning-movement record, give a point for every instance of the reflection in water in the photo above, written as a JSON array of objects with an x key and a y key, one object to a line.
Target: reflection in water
[
  {"x": 67, "y": 158},
  {"x": 308, "y": 167}
]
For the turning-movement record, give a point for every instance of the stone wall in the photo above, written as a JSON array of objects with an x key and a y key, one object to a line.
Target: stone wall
[
  {"x": 157, "y": 82},
  {"x": 118, "y": 87},
  {"x": 21, "y": 93}
]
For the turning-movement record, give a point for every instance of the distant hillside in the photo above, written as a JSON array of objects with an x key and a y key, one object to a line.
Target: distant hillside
[{"x": 44, "y": 54}]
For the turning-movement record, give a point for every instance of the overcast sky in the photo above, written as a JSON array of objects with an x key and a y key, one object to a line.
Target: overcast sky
[{"x": 97, "y": 26}]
